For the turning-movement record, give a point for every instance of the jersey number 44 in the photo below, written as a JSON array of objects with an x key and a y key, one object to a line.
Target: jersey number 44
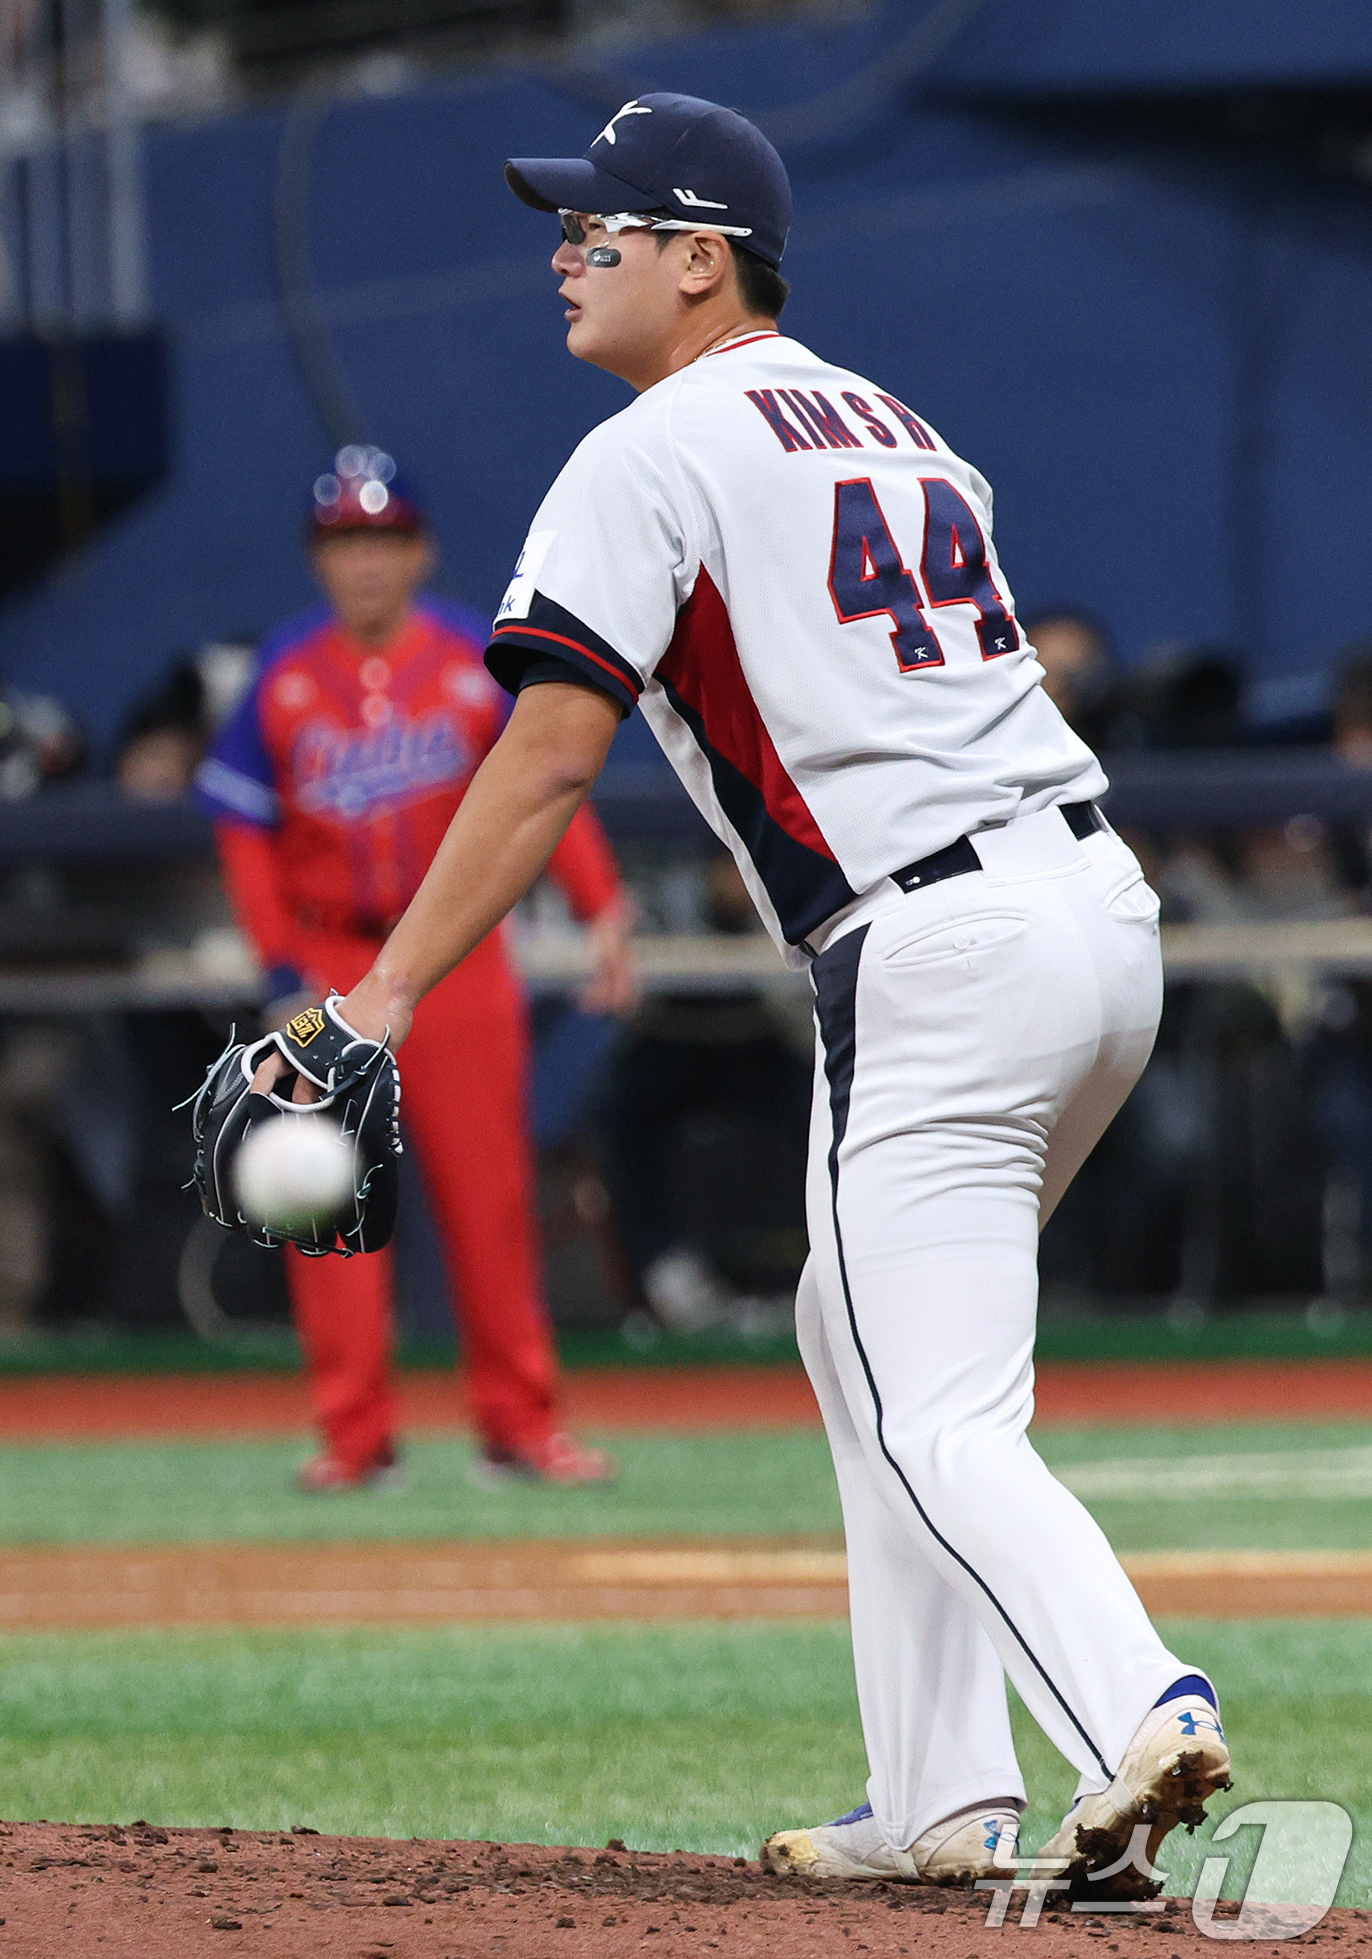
[{"x": 869, "y": 577}]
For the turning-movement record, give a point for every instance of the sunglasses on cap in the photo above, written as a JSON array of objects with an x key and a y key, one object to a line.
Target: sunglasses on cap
[{"x": 575, "y": 232}]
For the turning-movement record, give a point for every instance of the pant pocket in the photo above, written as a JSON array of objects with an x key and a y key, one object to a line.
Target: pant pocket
[
  {"x": 960, "y": 938},
  {"x": 1133, "y": 897}
]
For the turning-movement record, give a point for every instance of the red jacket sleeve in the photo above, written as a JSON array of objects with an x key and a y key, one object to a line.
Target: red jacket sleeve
[
  {"x": 247, "y": 857},
  {"x": 584, "y": 865}
]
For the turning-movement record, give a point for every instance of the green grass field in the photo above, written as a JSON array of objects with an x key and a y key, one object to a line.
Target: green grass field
[
  {"x": 209, "y": 1492},
  {"x": 1265, "y": 1487},
  {"x": 691, "y": 1736}
]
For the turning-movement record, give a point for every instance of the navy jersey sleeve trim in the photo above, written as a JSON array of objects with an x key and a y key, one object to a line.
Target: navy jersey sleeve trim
[
  {"x": 551, "y": 630},
  {"x": 510, "y": 657},
  {"x": 539, "y": 673}
]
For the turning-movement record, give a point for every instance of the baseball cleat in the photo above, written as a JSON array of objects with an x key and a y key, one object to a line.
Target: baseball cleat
[
  {"x": 328, "y": 1475},
  {"x": 972, "y": 1844},
  {"x": 558, "y": 1460},
  {"x": 1108, "y": 1843},
  {"x": 975, "y": 1843},
  {"x": 851, "y": 1847}
]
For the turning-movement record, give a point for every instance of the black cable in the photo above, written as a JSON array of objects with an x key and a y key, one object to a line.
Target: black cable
[
  {"x": 822, "y": 116},
  {"x": 325, "y": 382},
  {"x": 874, "y": 86}
]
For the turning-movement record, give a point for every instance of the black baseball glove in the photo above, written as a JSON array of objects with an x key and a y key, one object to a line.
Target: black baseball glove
[{"x": 359, "y": 1090}]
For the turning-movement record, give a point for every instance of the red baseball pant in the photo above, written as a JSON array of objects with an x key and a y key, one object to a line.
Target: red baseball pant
[{"x": 463, "y": 1109}]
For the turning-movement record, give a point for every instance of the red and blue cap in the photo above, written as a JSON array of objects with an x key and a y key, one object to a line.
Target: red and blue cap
[
  {"x": 362, "y": 492},
  {"x": 703, "y": 165}
]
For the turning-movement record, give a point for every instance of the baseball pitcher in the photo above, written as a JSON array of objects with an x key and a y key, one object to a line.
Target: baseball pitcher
[{"x": 794, "y": 577}]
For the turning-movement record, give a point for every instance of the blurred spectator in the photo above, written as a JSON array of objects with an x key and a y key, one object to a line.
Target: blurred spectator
[
  {"x": 158, "y": 764},
  {"x": 1353, "y": 706},
  {"x": 1280, "y": 1070},
  {"x": 1214, "y": 1151},
  {"x": 1289, "y": 870},
  {"x": 1352, "y": 743},
  {"x": 702, "y": 1125},
  {"x": 1267, "y": 872},
  {"x": 1080, "y": 676},
  {"x": 40, "y": 742},
  {"x": 1190, "y": 699},
  {"x": 35, "y": 1060},
  {"x": 168, "y": 732},
  {"x": 1339, "y": 1051}
]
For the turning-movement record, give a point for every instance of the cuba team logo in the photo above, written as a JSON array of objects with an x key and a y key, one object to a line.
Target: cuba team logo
[{"x": 354, "y": 774}]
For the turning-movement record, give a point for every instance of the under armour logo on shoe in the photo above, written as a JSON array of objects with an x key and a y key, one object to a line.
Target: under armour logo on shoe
[
  {"x": 1191, "y": 1724},
  {"x": 609, "y": 134}
]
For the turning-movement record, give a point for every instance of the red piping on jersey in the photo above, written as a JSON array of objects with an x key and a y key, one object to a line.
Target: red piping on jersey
[
  {"x": 537, "y": 632},
  {"x": 747, "y": 341},
  {"x": 702, "y": 663}
]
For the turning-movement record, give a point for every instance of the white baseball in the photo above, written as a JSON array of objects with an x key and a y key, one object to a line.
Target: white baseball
[{"x": 295, "y": 1172}]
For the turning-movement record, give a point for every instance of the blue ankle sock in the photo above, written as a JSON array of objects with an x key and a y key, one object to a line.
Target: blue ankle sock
[
  {"x": 1190, "y": 1683},
  {"x": 858, "y": 1815}
]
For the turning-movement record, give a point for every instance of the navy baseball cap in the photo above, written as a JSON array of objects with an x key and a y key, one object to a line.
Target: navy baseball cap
[{"x": 706, "y": 165}]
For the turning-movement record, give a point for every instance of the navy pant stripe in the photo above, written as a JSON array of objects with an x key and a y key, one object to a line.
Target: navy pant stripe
[{"x": 835, "y": 976}]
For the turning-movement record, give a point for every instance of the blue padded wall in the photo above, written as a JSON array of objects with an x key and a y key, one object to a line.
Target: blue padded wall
[{"x": 1162, "y": 362}]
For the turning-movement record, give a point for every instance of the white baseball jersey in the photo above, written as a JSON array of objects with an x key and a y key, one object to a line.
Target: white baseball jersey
[{"x": 795, "y": 577}]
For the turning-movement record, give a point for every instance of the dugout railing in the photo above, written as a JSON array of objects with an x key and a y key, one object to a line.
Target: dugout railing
[{"x": 1235, "y": 1172}]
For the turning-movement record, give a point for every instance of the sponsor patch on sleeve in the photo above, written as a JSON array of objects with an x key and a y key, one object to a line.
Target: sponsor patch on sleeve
[{"x": 520, "y": 594}]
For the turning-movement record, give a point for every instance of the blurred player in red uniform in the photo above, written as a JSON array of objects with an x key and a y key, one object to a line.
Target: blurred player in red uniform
[{"x": 331, "y": 787}]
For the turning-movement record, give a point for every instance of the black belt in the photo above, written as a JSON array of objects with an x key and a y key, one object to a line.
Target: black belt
[{"x": 956, "y": 858}]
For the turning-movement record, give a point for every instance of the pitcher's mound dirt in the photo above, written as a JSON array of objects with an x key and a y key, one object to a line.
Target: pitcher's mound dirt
[{"x": 97, "y": 1892}]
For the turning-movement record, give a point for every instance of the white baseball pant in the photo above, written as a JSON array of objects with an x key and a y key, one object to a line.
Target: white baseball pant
[{"x": 975, "y": 1039}]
